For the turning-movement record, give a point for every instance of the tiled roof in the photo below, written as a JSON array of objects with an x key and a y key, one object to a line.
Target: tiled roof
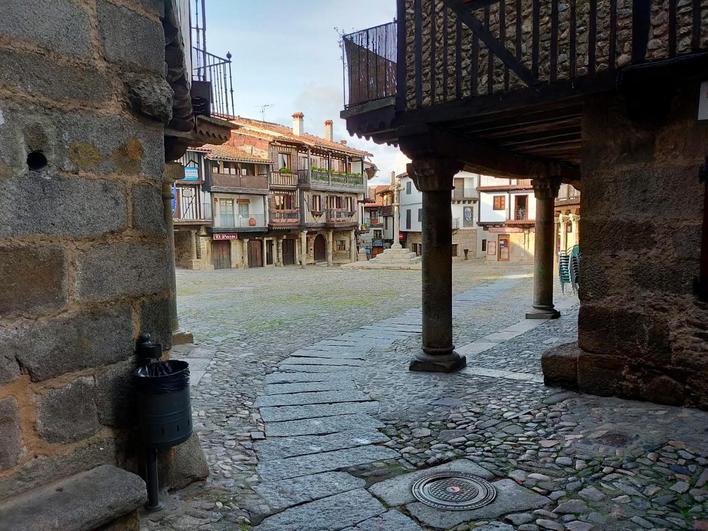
[
  {"x": 282, "y": 132},
  {"x": 230, "y": 153}
]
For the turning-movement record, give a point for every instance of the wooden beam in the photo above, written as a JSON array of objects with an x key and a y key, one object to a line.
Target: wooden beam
[
  {"x": 483, "y": 157},
  {"x": 492, "y": 44}
]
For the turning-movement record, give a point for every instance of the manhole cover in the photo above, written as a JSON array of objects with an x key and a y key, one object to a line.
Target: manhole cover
[
  {"x": 454, "y": 491},
  {"x": 613, "y": 439}
]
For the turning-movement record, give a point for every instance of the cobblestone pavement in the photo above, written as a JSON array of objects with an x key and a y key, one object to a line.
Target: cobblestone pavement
[{"x": 310, "y": 419}]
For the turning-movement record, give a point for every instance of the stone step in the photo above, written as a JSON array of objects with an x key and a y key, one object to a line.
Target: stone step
[
  {"x": 87, "y": 500},
  {"x": 282, "y": 447},
  {"x": 283, "y": 413}
]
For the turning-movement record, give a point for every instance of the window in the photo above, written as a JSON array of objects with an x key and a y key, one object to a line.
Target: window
[
  {"x": 226, "y": 212},
  {"x": 499, "y": 202},
  {"x": 350, "y": 204},
  {"x": 316, "y": 203},
  {"x": 283, "y": 201},
  {"x": 215, "y": 167},
  {"x": 378, "y": 234},
  {"x": 386, "y": 223},
  {"x": 283, "y": 160},
  {"x": 409, "y": 188},
  {"x": 243, "y": 211},
  {"x": 420, "y": 215},
  {"x": 408, "y": 219},
  {"x": 484, "y": 246},
  {"x": 341, "y": 245}
]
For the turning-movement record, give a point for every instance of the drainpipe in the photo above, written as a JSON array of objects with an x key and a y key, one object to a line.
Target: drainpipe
[{"x": 173, "y": 171}]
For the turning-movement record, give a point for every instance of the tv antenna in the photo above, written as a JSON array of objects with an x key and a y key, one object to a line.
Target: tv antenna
[{"x": 263, "y": 110}]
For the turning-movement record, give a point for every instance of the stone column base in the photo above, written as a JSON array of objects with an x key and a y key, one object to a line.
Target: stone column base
[
  {"x": 451, "y": 362},
  {"x": 543, "y": 313}
]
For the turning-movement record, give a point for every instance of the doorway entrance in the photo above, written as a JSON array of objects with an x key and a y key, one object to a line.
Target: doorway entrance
[
  {"x": 288, "y": 252},
  {"x": 320, "y": 249},
  {"x": 221, "y": 252},
  {"x": 255, "y": 253},
  {"x": 504, "y": 248}
]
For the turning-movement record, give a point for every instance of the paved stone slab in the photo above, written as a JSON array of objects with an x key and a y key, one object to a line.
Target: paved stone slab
[
  {"x": 321, "y": 426},
  {"x": 280, "y": 495},
  {"x": 292, "y": 377},
  {"x": 308, "y": 386},
  {"x": 315, "y": 463},
  {"x": 338, "y": 369},
  {"x": 475, "y": 348},
  {"x": 332, "y": 513},
  {"x": 510, "y": 498},
  {"x": 389, "y": 521},
  {"x": 282, "y": 447},
  {"x": 397, "y": 491},
  {"x": 328, "y": 354},
  {"x": 510, "y": 375},
  {"x": 349, "y": 362},
  {"x": 321, "y": 397},
  {"x": 278, "y": 414}
]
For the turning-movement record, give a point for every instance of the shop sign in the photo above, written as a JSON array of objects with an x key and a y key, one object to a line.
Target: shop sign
[{"x": 225, "y": 236}]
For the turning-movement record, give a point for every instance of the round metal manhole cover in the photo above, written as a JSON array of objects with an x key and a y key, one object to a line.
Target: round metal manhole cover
[{"x": 454, "y": 491}]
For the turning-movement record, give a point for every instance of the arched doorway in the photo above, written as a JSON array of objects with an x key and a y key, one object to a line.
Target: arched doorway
[{"x": 320, "y": 249}]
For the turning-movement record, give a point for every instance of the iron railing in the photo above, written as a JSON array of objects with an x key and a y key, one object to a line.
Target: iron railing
[
  {"x": 370, "y": 57},
  {"x": 284, "y": 216},
  {"x": 207, "y": 67}
]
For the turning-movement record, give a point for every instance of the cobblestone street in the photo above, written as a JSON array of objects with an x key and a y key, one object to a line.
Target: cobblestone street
[{"x": 310, "y": 419}]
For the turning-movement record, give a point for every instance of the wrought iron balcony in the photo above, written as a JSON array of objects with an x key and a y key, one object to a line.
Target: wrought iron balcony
[
  {"x": 212, "y": 84},
  {"x": 370, "y": 64}
]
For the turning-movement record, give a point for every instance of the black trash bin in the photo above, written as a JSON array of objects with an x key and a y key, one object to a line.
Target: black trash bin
[{"x": 164, "y": 407}]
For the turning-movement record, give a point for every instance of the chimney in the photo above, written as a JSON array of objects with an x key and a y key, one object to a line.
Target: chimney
[
  {"x": 329, "y": 135},
  {"x": 298, "y": 124}
]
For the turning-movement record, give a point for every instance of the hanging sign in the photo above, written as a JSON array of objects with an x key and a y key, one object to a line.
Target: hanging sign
[
  {"x": 225, "y": 236},
  {"x": 703, "y": 102}
]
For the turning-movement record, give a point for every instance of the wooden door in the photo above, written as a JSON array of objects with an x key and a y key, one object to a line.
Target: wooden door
[
  {"x": 288, "y": 252},
  {"x": 504, "y": 248},
  {"x": 320, "y": 249},
  {"x": 221, "y": 254},
  {"x": 255, "y": 253}
]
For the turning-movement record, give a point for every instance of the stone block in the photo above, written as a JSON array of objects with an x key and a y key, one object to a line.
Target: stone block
[
  {"x": 60, "y": 25},
  {"x": 10, "y": 433},
  {"x": 34, "y": 279},
  {"x": 185, "y": 464},
  {"x": 664, "y": 390},
  {"x": 560, "y": 365},
  {"x": 155, "y": 320},
  {"x": 148, "y": 210},
  {"x": 81, "y": 141},
  {"x": 149, "y": 95},
  {"x": 63, "y": 344},
  {"x": 33, "y": 74},
  {"x": 130, "y": 38},
  {"x": 9, "y": 368},
  {"x": 44, "y": 469},
  {"x": 115, "y": 395},
  {"x": 68, "y": 414},
  {"x": 600, "y": 374},
  {"x": 48, "y": 204},
  {"x": 122, "y": 269},
  {"x": 88, "y": 500}
]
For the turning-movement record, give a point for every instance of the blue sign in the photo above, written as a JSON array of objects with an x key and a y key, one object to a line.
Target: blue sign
[{"x": 191, "y": 173}]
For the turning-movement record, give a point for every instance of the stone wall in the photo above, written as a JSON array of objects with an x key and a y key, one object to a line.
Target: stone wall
[
  {"x": 437, "y": 57},
  {"x": 641, "y": 328},
  {"x": 83, "y": 241}
]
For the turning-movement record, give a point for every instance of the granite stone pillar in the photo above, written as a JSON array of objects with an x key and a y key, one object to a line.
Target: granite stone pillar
[
  {"x": 563, "y": 231},
  {"x": 352, "y": 246},
  {"x": 330, "y": 247},
  {"x": 434, "y": 177},
  {"x": 303, "y": 248},
  {"x": 545, "y": 191}
]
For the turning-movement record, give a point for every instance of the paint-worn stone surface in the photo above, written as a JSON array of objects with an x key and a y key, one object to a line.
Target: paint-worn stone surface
[
  {"x": 389, "y": 521},
  {"x": 321, "y": 425},
  {"x": 276, "y": 414},
  {"x": 324, "y": 397},
  {"x": 10, "y": 436},
  {"x": 68, "y": 413},
  {"x": 282, "y": 447}
]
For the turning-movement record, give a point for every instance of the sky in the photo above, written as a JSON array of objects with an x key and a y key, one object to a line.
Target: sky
[{"x": 286, "y": 55}]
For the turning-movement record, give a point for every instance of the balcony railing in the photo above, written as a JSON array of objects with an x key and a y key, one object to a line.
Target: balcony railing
[
  {"x": 349, "y": 180},
  {"x": 190, "y": 210},
  {"x": 241, "y": 182},
  {"x": 460, "y": 194},
  {"x": 520, "y": 214},
  {"x": 280, "y": 178},
  {"x": 216, "y": 71},
  {"x": 370, "y": 58},
  {"x": 240, "y": 222},
  {"x": 284, "y": 216},
  {"x": 340, "y": 215}
]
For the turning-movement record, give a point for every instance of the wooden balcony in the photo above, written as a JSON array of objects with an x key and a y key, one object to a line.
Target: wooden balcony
[
  {"x": 280, "y": 179},
  {"x": 340, "y": 216},
  {"x": 253, "y": 184},
  {"x": 321, "y": 179},
  {"x": 500, "y": 84},
  {"x": 284, "y": 217}
]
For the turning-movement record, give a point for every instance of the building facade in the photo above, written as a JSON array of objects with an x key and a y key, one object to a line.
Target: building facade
[
  {"x": 277, "y": 196},
  {"x": 376, "y": 232},
  {"x": 464, "y": 204},
  {"x": 567, "y": 217}
]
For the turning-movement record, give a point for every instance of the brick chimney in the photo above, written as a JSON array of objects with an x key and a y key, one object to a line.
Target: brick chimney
[
  {"x": 298, "y": 124},
  {"x": 328, "y": 133}
]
